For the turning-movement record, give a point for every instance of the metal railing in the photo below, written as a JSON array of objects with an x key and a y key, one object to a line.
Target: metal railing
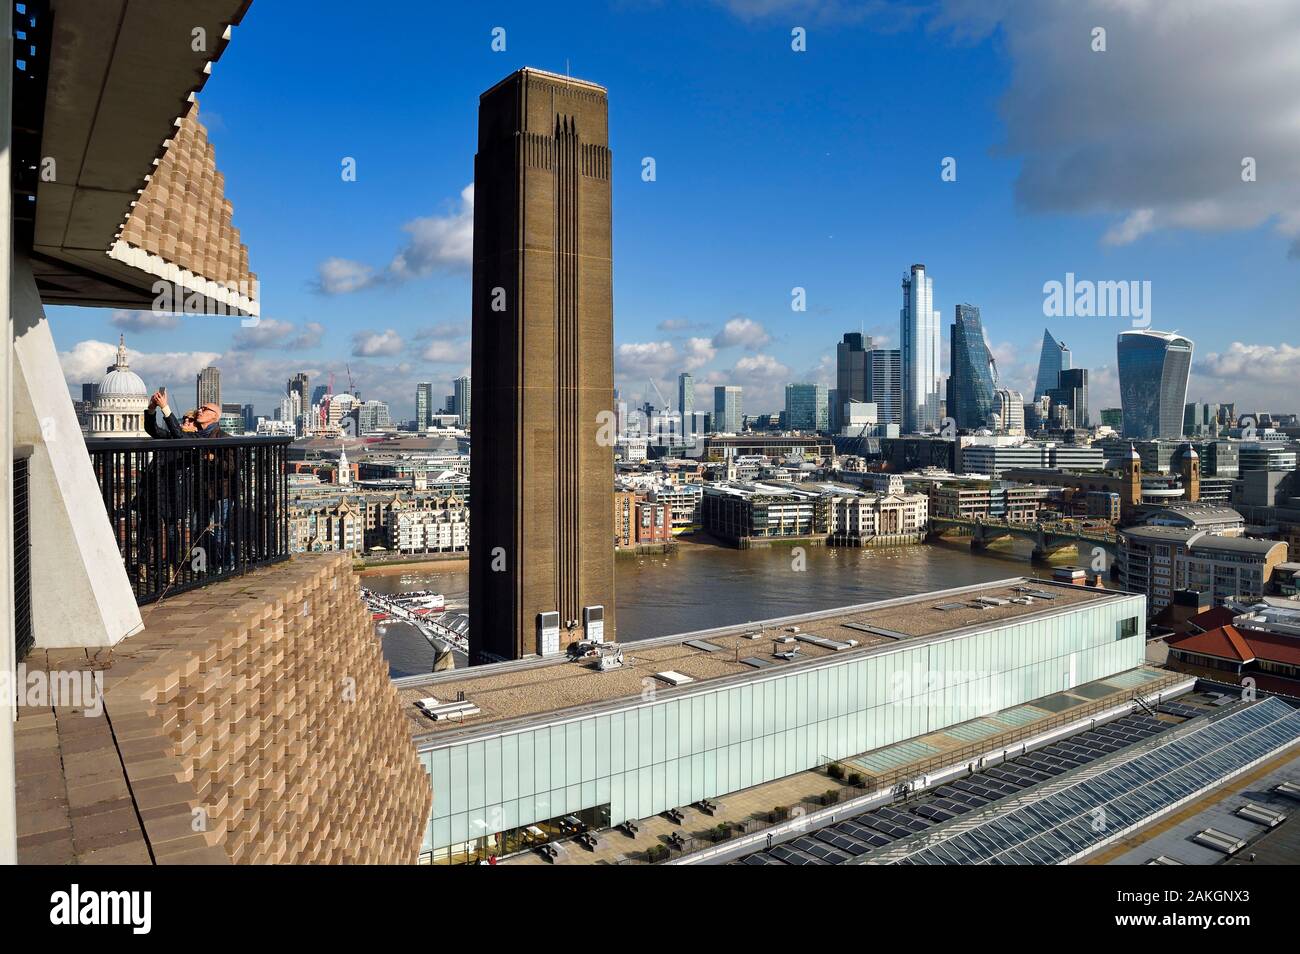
[
  {"x": 24, "y": 635},
  {"x": 190, "y": 512}
]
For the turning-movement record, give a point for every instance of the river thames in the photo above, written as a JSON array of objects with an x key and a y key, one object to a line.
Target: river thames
[{"x": 701, "y": 586}]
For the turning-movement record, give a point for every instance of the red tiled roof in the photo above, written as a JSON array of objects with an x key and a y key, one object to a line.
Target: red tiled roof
[
  {"x": 1212, "y": 618},
  {"x": 1228, "y": 642},
  {"x": 1223, "y": 642}
]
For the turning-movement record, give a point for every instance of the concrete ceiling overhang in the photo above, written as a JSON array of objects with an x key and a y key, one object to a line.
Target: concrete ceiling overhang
[{"x": 120, "y": 75}]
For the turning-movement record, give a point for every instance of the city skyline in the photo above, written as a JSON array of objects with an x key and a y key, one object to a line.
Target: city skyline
[{"x": 408, "y": 321}]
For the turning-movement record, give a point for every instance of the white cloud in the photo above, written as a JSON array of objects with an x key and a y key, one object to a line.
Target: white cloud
[
  {"x": 271, "y": 333},
  {"x": 435, "y": 243},
  {"x": 371, "y": 344},
  {"x": 338, "y": 276},
  {"x": 144, "y": 320},
  {"x": 446, "y": 352},
  {"x": 88, "y": 361},
  {"x": 646, "y": 359},
  {"x": 1135, "y": 225},
  {"x": 742, "y": 332},
  {"x": 1153, "y": 131},
  {"x": 1272, "y": 364},
  {"x": 763, "y": 379},
  {"x": 438, "y": 241}
]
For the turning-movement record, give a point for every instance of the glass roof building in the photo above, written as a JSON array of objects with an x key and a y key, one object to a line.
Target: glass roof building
[{"x": 1153, "y": 371}]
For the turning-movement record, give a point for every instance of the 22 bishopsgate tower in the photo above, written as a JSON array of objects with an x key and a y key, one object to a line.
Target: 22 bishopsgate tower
[
  {"x": 919, "y": 327},
  {"x": 541, "y": 562}
]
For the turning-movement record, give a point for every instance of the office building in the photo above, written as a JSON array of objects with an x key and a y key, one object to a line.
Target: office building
[
  {"x": 423, "y": 405},
  {"x": 232, "y": 419},
  {"x": 301, "y": 384},
  {"x": 462, "y": 402},
  {"x": 1200, "y": 420},
  {"x": 850, "y": 375},
  {"x": 1052, "y": 360},
  {"x": 970, "y": 385},
  {"x": 1261, "y": 456},
  {"x": 373, "y": 416},
  {"x": 1009, "y": 406},
  {"x": 1113, "y": 418},
  {"x": 541, "y": 557},
  {"x": 1153, "y": 371},
  {"x": 1069, "y": 408},
  {"x": 920, "y": 360},
  {"x": 208, "y": 387},
  {"x": 728, "y": 410},
  {"x": 885, "y": 384},
  {"x": 1158, "y": 561},
  {"x": 806, "y": 407},
  {"x": 991, "y": 458},
  {"x": 686, "y": 402}
]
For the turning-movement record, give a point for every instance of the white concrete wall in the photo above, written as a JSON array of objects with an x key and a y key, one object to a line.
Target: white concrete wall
[
  {"x": 80, "y": 592},
  {"x": 8, "y": 781}
]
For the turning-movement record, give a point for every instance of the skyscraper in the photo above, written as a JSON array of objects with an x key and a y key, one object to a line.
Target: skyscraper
[
  {"x": 423, "y": 404},
  {"x": 541, "y": 554},
  {"x": 1052, "y": 360},
  {"x": 919, "y": 327},
  {"x": 1153, "y": 371},
  {"x": 885, "y": 384},
  {"x": 686, "y": 401},
  {"x": 462, "y": 388},
  {"x": 728, "y": 409},
  {"x": 806, "y": 407},
  {"x": 850, "y": 375},
  {"x": 970, "y": 385},
  {"x": 1071, "y": 395},
  {"x": 207, "y": 387},
  {"x": 1009, "y": 406}
]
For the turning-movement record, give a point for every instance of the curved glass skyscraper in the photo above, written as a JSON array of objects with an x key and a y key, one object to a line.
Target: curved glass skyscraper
[
  {"x": 970, "y": 386},
  {"x": 1153, "y": 371}
]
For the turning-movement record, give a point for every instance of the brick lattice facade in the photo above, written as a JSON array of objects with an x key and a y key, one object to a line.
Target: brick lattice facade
[
  {"x": 258, "y": 710},
  {"x": 184, "y": 216}
]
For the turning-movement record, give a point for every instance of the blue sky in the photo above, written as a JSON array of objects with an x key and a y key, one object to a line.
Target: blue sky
[{"x": 775, "y": 169}]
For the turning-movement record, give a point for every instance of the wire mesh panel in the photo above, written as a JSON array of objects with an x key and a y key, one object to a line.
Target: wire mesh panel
[
  {"x": 189, "y": 512},
  {"x": 24, "y": 636}
]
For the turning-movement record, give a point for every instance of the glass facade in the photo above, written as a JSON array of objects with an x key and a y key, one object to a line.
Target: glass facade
[
  {"x": 1153, "y": 371},
  {"x": 642, "y": 757},
  {"x": 920, "y": 353},
  {"x": 970, "y": 386},
  {"x": 1052, "y": 360},
  {"x": 806, "y": 407},
  {"x": 728, "y": 411}
]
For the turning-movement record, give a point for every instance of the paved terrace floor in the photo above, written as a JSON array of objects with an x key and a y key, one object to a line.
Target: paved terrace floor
[
  {"x": 804, "y": 790},
  {"x": 532, "y": 687}
]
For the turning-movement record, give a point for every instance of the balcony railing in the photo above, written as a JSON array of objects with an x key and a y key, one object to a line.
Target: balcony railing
[{"x": 190, "y": 512}]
